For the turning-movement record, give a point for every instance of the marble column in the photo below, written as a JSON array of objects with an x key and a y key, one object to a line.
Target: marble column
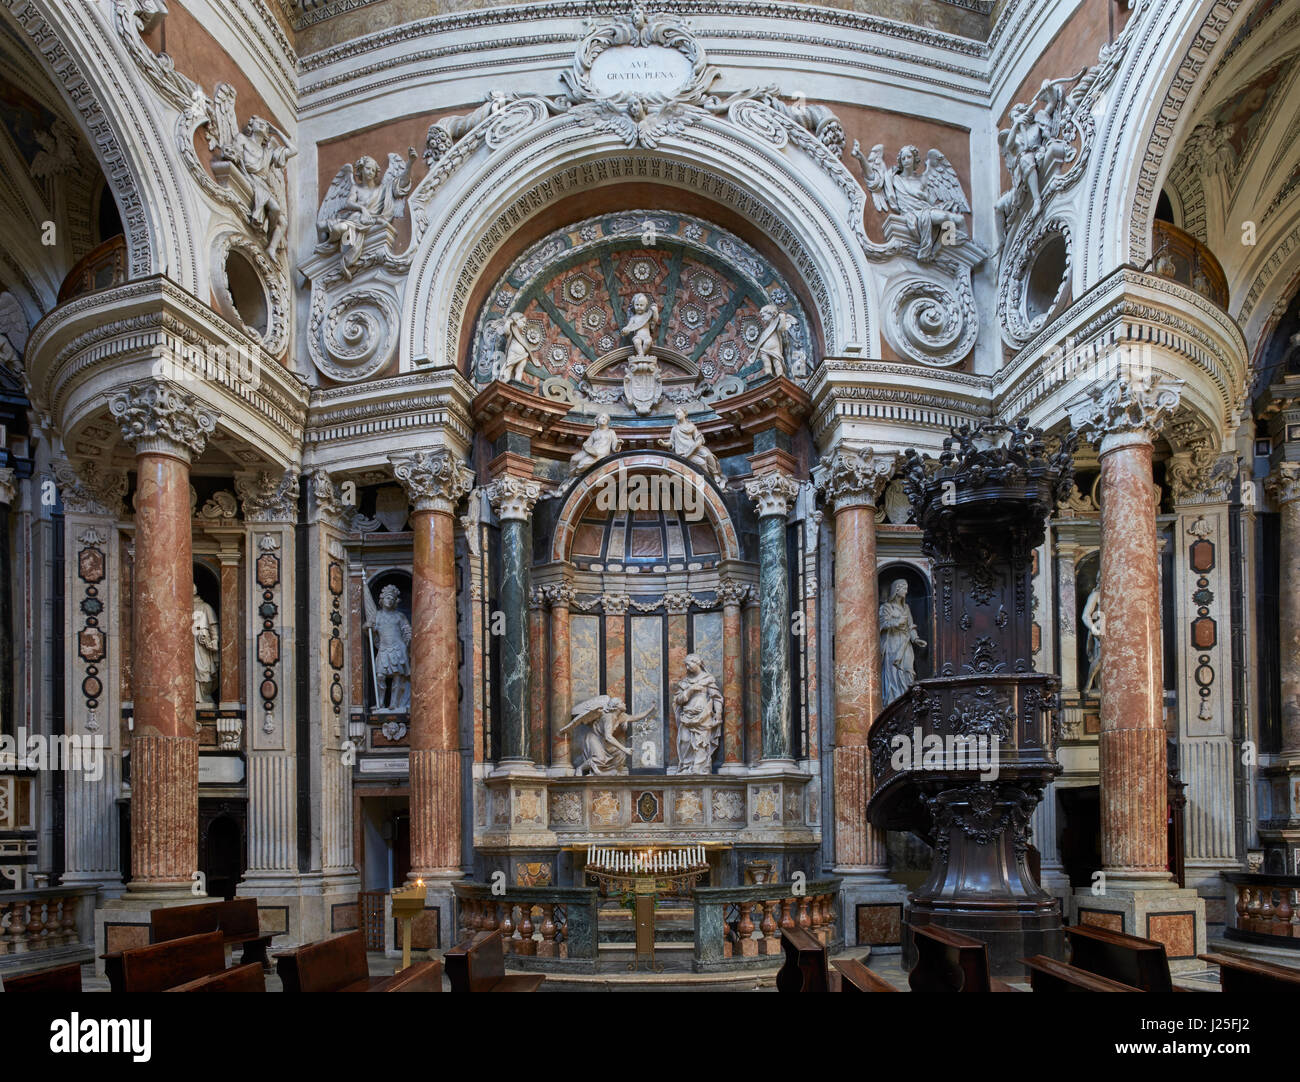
[
  {"x": 165, "y": 429},
  {"x": 731, "y": 593},
  {"x": 852, "y": 480},
  {"x": 512, "y": 499},
  {"x": 8, "y": 493},
  {"x": 232, "y": 638},
  {"x": 773, "y": 493},
  {"x": 560, "y": 596},
  {"x": 1284, "y": 488},
  {"x": 435, "y": 481}
]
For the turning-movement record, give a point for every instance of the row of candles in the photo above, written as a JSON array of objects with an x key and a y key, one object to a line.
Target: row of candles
[{"x": 648, "y": 861}]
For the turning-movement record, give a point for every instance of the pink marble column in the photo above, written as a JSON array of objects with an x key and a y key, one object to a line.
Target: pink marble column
[
  {"x": 852, "y": 479},
  {"x": 435, "y": 481},
  {"x": 1284, "y": 487},
  {"x": 560, "y": 596},
  {"x": 732, "y": 593},
  {"x": 1123, "y": 420},
  {"x": 165, "y": 429}
]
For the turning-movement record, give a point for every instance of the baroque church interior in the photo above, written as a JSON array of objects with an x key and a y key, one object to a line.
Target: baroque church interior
[{"x": 556, "y": 493}]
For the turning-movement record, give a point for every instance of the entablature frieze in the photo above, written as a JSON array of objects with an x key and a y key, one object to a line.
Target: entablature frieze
[
  {"x": 152, "y": 330},
  {"x": 1131, "y": 325}
]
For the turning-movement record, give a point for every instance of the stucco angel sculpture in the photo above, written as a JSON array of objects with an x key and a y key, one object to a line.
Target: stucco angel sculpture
[
  {"x": 360, "y": 201},
  {"x": 931, "y": 201},
  {"x": 258, "y": 153},
  {"x": 519, "y": 350},
  {"x": 771, "y": 345},
  {"x": 599, "y": 722},
  {"x": 642, "y": 323}
]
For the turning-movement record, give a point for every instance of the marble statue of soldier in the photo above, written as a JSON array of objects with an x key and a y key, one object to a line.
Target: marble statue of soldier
[
  {"x": 392, "y": 650},
  {"x": 898, "y": 644},
  {"x": 698, "y": 706},
  {"x": 602, "y": 443},
  {"x": 600, "y": 721},
  {"x": 687, "y": 441},
  {"x": 207, "y": 651}
]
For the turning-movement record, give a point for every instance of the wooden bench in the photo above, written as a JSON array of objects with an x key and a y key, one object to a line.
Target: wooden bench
[
  {"x": 160, "y": 966},
  {"x": 856, "y": 977},
  {"x": 479, "y": 965},
  {"x": 1129, "y": 959},
  {"x": 339, "y": 965},
  {"x": 59, "y": 979},
  {"x": 1239, "y": 974},
  {"x": 948, "y": 961},
  {"x": 243, "y": 978},
  {"x": 805, "y": 967},
  {"x": 236, "y": 920},
  {"x": 1049, "y": 975}
]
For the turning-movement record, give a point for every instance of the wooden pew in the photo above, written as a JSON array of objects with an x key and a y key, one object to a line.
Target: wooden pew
[
  {"x": 948, "y": 961},
  {"x": 236, "y": 920},
  {"x": 249, "y": 977},
  {"x": 805, "y": 963},
  {"x": 160, "y": 966},
  {"x": 59, "y": 979},
  {"x": 1049, "y": 975},
  {"x": 339, "y": 965},
  {"x": 1129, "y": 959},
  {"x": 1240, "y": 974},
  {"x": 479, "y": 965},
  {"x": 856, "y": 977}
]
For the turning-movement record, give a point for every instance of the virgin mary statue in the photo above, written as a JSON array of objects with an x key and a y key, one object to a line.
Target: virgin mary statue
[{"x": 898, "y": 637}]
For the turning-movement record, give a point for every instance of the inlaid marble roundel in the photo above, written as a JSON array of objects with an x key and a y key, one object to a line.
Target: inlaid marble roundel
[{"x": 574, "y": 287}]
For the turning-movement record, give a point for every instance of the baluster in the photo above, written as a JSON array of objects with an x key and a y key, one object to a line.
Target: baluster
[
  {"x": 1252, "y": 910},
  {"x": 508, "y": 927},
  {"x": 53, "y": 923},
  {"x": 1284, "y": 913},
  {"x": 527, "y": 945},
  {"x": 546, "y": 948},
  {"x": 1243, "y": 899},
  {"x": 7, "y": 913},
  {"x": 1265, "y": 924},
  {"x": 562, "y": 929},
  {"x": 821, "y": 919},
  {"x": 745, "y": 929},
  {"x": 771, "y": 940},
  {"x": 70, "y": 936},
  {"x": 490, "y": 922},
  {"x": 787, "y": 914},
  {"x": 805, "y": 920},
  {"x": 35, "y": 925},
  {"x": 18, "y": 928}
]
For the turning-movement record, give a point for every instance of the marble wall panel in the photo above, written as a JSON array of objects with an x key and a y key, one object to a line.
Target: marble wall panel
[
  {"x": 584, "y": 656},
  {"x": 647, "y": 691}
]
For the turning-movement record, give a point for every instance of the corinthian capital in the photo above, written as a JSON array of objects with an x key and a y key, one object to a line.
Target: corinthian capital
[
  {"x": 773, "y": 492},
  {"x": 853, "y": 477},
  {"x": 434, "y": 480},
  {"x": 156, "y": 418},
  {"x": 88, "y": 490},
  {"x": 267, "y": 498},
  {"x": 1284, "y": 485},
  {"x": 1126, "y": 411},
  {"x": 513, "y": 497},
  {"x": 8, "y": 486}
]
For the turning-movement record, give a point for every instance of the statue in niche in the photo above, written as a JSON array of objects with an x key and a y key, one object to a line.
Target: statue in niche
[
  {"x": 518, "y": 351},
  {"x": 771, "y": 346},
  {"x": 898, "y": 643},
  {"x": 930, "y": 201},
  {"x": 687, "y": 441},
  {"x": 602, "y": 443},
  {"x": 1095, "y": 623},
  {"x": 642, "y": 324},
  {"x": 258, "y": 153},
  {"x": 360, "y": 201},
  {"x": 698, "y": 706},
  {"x": 392, "y": 652},
  {"x": 600, "y": 721},
  {"x": 207, "y": 651}
]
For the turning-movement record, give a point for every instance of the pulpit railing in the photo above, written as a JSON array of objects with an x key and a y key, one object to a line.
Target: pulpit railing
[
  {"x": 545, "y": 925},
  {"x": 735, "y": 926},
  {"x": 1265, "y": 909}
]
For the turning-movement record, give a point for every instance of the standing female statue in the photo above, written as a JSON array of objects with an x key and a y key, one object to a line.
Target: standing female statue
[
  {"x": 897, "y": 638},
  {"x": 698, "y": 703}
]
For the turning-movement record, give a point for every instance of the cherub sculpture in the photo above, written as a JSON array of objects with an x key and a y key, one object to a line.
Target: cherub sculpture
[
  {"x": 360, "y": 201},
  {"x": 770, "y": 348},
  {"x": 931, "y": 201},
  {"x": 602, "y": 443},
  {"x": 642, "y": 324},
  {"x": 599, "y": 722},
  {"x": 519, "y": 349},
  {"x": 258, "y": 153}
]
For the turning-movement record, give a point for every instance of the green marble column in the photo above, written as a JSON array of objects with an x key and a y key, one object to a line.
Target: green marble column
[
  {"x": 513, "y": 498},
  {"x": 773, "y": 493}
]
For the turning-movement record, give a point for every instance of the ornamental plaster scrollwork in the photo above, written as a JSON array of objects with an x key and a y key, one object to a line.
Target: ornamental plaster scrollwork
[
  {"x": 513, "y": 497},
  {"x": 88, "y": 490},
  {"x": 274, "y": 337},
  {"x": 772, "y": 493},
  {"x": 1284, "y": 485},
  {"x": 1201, "y": 474},
  {"x": 267, "y": 498},
  {"x": 1026, "y": 302}
]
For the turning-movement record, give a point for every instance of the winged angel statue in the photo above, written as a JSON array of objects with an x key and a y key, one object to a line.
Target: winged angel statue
[
  {"x": 931, "y": 201},
  {"x": 360, "y": 201},
  {"x": 257, "y": 153},
  {"x": 600, "y": 721}
]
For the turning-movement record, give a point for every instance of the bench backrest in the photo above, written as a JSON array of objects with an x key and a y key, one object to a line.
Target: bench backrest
[
  {"x": 331, "y": 964},
  {"x": 247, "y": 978},
  {"x": 1252, "y": 977},
  {"x": 176, "y": 922},
  {"x": 238, "y": 917},
  {"x": 1049, "y": 975},
  {"x": 1140, "y": 963},
  {"x": 805, "y": 963},
  {"x": 948, "y": 961},
  {"x": 856, "y": 977},
  {"x": 417, "y": 977},
  {"x": 160, "y": 966},
  {"x": 476, "y": 964},
  {"x": 59, "y": 979}
]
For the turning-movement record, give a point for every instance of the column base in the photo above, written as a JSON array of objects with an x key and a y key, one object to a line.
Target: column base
[
  {"x": 733, "y": 769},
  {"x": 436, "y": 929},
  {"x": 301, "y": 909},
  {"x": 1146, "y": 907},
  {"x": 871, "y": 908},
  {"x": 510, "y": 768}
]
